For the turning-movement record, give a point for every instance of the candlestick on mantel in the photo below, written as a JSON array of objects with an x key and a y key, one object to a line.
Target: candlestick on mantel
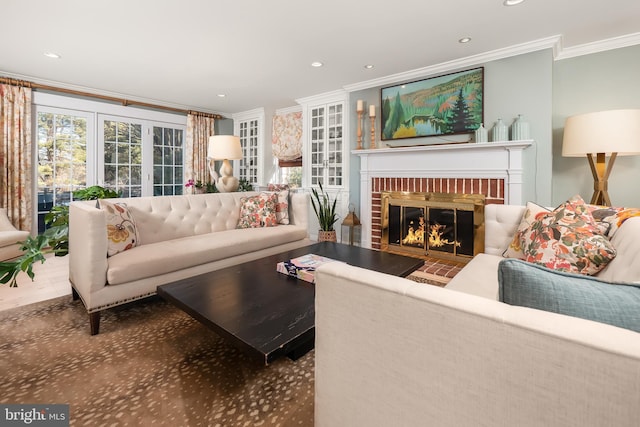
[
  {"x": 359, "y": 106},
  {"x": 359, "y": 146},
  {"x": 372, "y": 117}
]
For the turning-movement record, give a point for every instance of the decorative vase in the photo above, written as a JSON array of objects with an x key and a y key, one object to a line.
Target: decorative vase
[
  {"x": 499, "y": 132},
  {"x": 327, "y": 236},
  {"x": 481, "y": 134},
  {"x": 520, "y": 129}
]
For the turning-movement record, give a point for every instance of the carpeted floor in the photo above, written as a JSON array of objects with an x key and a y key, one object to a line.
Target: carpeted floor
[{"x": 151, "y": 364}]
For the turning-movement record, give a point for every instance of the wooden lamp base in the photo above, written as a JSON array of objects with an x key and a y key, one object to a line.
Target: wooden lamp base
[{"x": 601, "y": 171}]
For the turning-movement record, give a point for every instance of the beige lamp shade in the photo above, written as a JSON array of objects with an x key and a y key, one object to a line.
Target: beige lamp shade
[
  {"x": 614, "y": 131},
  {"x": 606, "y": 133},
  {"x": 223, "y": 147}
]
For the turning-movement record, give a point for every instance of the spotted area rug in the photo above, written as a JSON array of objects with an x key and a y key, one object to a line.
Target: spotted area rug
[{"x": 151, "y": 364}]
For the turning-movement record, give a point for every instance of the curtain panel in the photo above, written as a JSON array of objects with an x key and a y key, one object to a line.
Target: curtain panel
[
  {"x": 199, "y": 129},
  {"x": 286, "y": 141},
  {"x": 16, "y": 193}
]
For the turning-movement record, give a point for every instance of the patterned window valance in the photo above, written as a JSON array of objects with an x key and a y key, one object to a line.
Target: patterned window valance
[{"x": 286, "y": 140}]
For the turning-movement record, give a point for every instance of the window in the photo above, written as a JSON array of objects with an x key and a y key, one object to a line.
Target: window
[
  {"x": 62, "y": 158},
  {"x": 168, "y": 164},
  {"x": 123, "y": 157},
  {"x": 291, "y": 175},
  {"x": 142, "y": 158},
  {"x": 82, "y": 143}
]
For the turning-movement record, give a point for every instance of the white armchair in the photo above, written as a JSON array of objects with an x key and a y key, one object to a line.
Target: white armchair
[{"x": 9, "y": 238}]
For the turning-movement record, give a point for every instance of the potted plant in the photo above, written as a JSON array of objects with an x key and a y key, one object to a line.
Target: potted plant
[{"x": 325, "y": 210}]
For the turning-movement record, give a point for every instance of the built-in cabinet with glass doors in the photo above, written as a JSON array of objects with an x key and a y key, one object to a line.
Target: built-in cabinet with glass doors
[
  {"x": 326, "y": 149},
  {"x": 248, "y": 126}
]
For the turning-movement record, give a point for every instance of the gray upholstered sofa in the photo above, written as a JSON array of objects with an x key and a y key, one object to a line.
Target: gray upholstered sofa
[
  {"x": 179, "y": 237},
  {"x": 390, "y": 351}
]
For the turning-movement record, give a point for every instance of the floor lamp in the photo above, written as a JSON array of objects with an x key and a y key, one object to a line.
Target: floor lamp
[
  {"x": 225, "y": 148},
  {"x": 606, "y": 133}
]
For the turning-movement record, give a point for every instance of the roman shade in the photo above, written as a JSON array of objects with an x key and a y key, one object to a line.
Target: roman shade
[{"x": 286, "y": 139}]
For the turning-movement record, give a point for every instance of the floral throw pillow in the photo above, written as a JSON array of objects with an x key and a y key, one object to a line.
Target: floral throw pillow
[
  {"x": 530, "y": 215},
  {"x": 122, "y": 233},
  {"x": 258, "y": 211},
  {"x": 609, "y": 219},
  {"x": 282, "y": 206},
  {"x": 567, "y": 239}
]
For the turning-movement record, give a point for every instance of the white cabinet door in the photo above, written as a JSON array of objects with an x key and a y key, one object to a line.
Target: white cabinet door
[{"x": 326, "y": 147}]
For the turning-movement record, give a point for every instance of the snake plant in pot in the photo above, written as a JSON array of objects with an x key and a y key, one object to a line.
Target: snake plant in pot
[{"x": 325, "y": 210}]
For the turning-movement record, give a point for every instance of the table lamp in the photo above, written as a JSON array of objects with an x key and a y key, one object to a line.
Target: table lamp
[
  {"x": 225, "y": 148},
  {"x": 605, "y": 133}
]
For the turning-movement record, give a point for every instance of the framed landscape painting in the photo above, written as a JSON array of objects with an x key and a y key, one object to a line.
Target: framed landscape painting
[{"x": 442, "y": 105}]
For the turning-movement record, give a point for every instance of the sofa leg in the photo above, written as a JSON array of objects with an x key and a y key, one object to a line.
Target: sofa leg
[
  {"x": 74, "y": 294},
  {"x": 94, "y": 322}
]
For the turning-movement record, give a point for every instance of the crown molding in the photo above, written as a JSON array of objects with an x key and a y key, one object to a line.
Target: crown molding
[
  {"x": 336, "y": 95},
  {"x": 108, "y": 93},
  {"x": 289, "y": 110},
  {"x": 249, "y": 114},
  {"x": 555, "y": 43},
  {"x": 456, "y": 64},
  {"x": 599, "y": 46}
]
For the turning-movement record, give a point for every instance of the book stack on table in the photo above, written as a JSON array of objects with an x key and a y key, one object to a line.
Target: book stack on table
[{"x": 303, "y": 267}]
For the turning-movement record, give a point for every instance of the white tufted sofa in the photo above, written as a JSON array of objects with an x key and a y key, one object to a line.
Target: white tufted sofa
[
  {"x": 9, "y": 238},
  {"x": 179, "y": 237},
  {"x": 409, "y": 354},
  {"x": 480, "y": 276}
]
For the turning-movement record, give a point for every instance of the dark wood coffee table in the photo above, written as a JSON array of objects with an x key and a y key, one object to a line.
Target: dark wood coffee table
[{"x": 266, "y": 313}]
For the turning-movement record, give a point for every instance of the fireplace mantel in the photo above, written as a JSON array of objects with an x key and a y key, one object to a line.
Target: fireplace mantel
[{"x": 493, "y": 160}]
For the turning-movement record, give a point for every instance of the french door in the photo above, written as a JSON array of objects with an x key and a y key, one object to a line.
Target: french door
[
  {"x": 64, "y": 143},
  {"x": 82, "y": 143},
  {"x": 140, "y": 158}
]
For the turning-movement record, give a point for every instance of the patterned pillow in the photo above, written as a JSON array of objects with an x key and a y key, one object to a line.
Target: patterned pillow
[
  {"x": 609, "y": 219},
  {"x": 122, "y": 233},
  {"x": 567, "y": 239},
  {"x": 258, "y": 211},
  {"x": 531, "y": 213},
  {"x": 282, "y": 206}
]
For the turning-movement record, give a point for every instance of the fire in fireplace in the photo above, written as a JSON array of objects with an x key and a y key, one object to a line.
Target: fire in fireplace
[{"x": 435, "y": 224}]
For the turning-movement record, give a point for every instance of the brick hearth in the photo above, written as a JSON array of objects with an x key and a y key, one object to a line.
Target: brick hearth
[{"x": 492, "y": 189}]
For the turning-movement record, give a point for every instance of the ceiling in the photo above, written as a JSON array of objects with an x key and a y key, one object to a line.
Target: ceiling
[{"x": 185, "y": 53}]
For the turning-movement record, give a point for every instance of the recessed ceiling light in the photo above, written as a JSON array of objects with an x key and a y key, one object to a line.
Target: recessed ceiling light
[
  {"x": 52, "y": 55},
  {"x": 368, "y": 66},
  {"x": 464, "y": 40},
  {"x": 511, "y": 2},
  {"x": 221, "y": 95},
  {"x": 317, "y": 64}
]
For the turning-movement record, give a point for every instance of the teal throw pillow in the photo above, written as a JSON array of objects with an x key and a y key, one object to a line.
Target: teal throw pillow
[{"x": 529, "y": 285}]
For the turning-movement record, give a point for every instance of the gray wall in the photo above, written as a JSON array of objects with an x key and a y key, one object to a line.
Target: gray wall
[
  {"x": 516, "y": 85},
  {"x": 596, "y": 82},
  {"x": 223, "y": 127}
]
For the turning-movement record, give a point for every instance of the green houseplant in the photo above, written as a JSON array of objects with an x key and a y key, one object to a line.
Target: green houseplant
[
  {"x": 325, "y": 211},
  {"x": 55, "y": 239}
]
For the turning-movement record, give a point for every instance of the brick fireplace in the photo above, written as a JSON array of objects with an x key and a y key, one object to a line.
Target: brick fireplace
[
  {"x": 391, "y": 211},
  {"x": 493, "y": 170}
]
